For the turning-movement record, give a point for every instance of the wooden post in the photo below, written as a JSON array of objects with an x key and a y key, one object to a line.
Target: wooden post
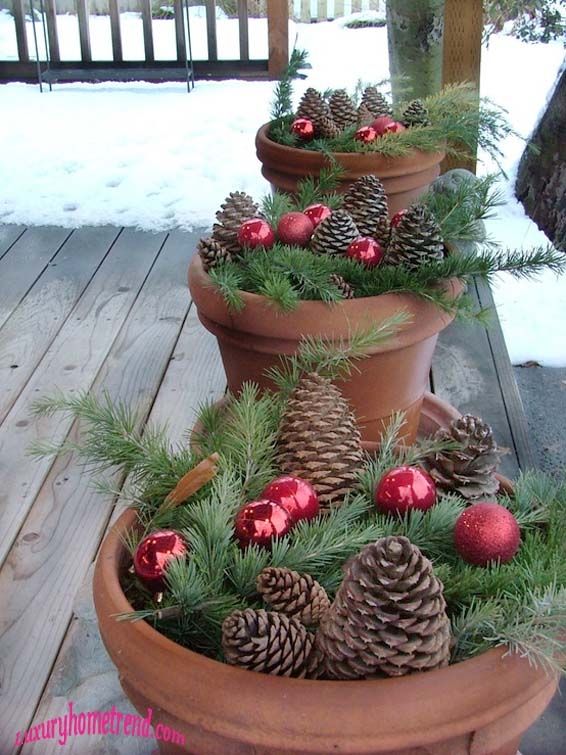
[
  {"x": 463, "y": 27},
  {"x": 278, "y": 36}
]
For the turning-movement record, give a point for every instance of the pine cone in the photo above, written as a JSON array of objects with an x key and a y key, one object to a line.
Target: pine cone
[
  {"x": 375, "y": 102},
  {"x": 365, "y": 116},
  {"x": 343, "y": 109},
  {"x": 212, "y": 253},
  {"x": 320, "y": 441},
  {"x": 366, "y": 202},
  {"x": 415, "y": 114},
  {"x": 267, "y": 642},
  {"x": 313, "y": 107},
  {"x": 334, "y": 234},
  {"x": 343, "y": 286},
  {"x": 325, "y": 128},
  {"x": 469, "y": 470},
  {"x": 296, "y": 595},
  {"x": 388, "y": 616},
  {"x": 237, "y": 208},
  {"x": 416, "y": 239}
]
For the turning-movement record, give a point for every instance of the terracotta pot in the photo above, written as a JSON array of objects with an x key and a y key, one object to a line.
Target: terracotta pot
[
  {"x": 404, "y": 178},
  {"x": 394, "y": 377}
]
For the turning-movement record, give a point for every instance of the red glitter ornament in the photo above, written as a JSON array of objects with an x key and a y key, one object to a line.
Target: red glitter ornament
[
  {"x": 381, "y": 124},
  {"x": 396, "y": 219},
  {"x": 486, "y": 532},
  {"x": 258, "y": 522},
  {"x": 366, "y": 250},
  {"x": 394, "y": 128},
  {"x": 403, "y": 489},
  {"x": 256, "y": 232},
  {"x": 366, "y": 134},
  {"x": 295, "y": 228},
  {"x": 316, "y": 213},
  {"x": 153, "y": 556},
  {"x": 295, "y": 495},
  {"x": 303, "y": 128}
]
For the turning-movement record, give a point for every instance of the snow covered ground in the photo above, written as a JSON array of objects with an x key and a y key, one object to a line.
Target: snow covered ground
[{"x": 154, "y": 157}]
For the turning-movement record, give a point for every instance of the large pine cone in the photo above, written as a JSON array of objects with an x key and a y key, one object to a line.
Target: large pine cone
[
  {"x": 375, "y": 102},
  {"x": 237, "y": 208},
  {"x": 326, "y": 128},
  {"x": 296, "y": 595},
  {"x": 212, "y": 253},
  {"x": 416, "y": 239},
  {"x": 366, "y": 202},
  {"x": 313, "y": 107},
  {"x": 320, "y": 441},
  {"x": 365, "y": 116},
  {"x": 415, "y": 114},
  {"x": 334, "y": 234},
  {"x": 470, "y": 469},
  {"x": 267, "y": 642},
  {"x": 343, "y": 109},
  {"x": 388, "y": 616}
]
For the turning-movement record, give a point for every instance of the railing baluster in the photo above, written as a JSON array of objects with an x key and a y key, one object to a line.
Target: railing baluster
[
  {"x": 51, "y": 17},
  {"x": 306, "y": 11},
  {"x": 243, "y": 29},
  {"x": 338, "y": 8},
  {"x": 211, "y": 29},
  {"x": 20, "y": 23},
  {"x": 147, "y": 31},
  {"x": 180, "y": 32},
  {"x": 84, "y": 34},
  {"x": 356, "y": 6},
  {"x": 321, "y": 11},
  {"x": 278, "y": 36},
  {"x": 115, "y": 31}
]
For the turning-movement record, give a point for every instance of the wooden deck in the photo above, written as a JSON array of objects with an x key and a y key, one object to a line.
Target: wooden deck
[{"x": 108, "y": 309}]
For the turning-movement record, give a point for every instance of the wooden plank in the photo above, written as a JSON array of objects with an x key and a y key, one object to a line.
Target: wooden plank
[
  {"x": 147, "y": 30},
  {"x": 71, "y": 363},
  {"x": 306, "y": 10},
  {"x": 338, "y": 8},
  {"x": 356, "y": 6},
  {"x": 9, "y": 234},
  {"x": 68, "y": 517},
  {"x": 464, "y": 374},
  {"x": 321, "y": 10},
  {"x": 84, "y": 32},
  {"x": 24, "y": 262},
  {"x": 243, "y": 29},
  {"x": 52, "y": 36},
  {"x": 278, "y": 36},
  {"x": 30, "y": 330},
  {"x": 18, "y": 10},
  {"x": 211, "y": 40},
  {"x": 114, "y": 11},
  {"x": 180, "y": 43}
]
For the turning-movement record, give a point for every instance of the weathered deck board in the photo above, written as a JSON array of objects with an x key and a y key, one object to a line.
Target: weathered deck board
[
  {"x": 9, "y": 234},
  {"x": 30, "y": 330},
  {"x": 68, "y": 518}
]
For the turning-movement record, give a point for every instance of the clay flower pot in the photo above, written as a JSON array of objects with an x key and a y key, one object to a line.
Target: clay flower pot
[
  {"x": 394, "y": 377},
  {"x": 404, "y": 178}
]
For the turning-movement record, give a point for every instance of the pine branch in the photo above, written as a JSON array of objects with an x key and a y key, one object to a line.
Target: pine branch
[
  {"x": 315, "y": 189},
  {"x": 283, "y": 98},
  {"x": 275, "y": 205},
  {"x": 227, "y": 279}
]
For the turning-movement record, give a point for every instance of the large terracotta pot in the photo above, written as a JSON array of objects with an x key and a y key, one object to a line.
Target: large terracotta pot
[
  {"x": 404, "y": 178},
  {"x": 394, "y": 377}
]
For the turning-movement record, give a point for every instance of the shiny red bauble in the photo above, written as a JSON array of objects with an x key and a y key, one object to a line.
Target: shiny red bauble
[
  {"x": 295, "y": 495},
  {"x": 397, "y": 218},
  {"x": 403, "y": 489},
  {"x": 486, "y": 532},
  {"x": 316, "y": 213},
  {"x": 256, "y": 232},
  {"x": 153, "y": 556},
  {"x": 259, "y": 522},
  {"x": 303, "y": 128},
  {"x": 366, "y": 134},
  {"x": 295, "y": 228},
  {"x": 394, "y": 128},
  {"x": 366, "y": 250},
  {"x": 381, "y": 124}
]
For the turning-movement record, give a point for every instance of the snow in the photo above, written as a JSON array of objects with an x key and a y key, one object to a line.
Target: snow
[{"x": 154, "y": 157}]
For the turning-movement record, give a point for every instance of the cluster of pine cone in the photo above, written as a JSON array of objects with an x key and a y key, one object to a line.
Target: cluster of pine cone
[{"x": 331, "y": 117}]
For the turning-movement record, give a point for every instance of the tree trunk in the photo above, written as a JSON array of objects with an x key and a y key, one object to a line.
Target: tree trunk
[{"x": 414, "y": 36}]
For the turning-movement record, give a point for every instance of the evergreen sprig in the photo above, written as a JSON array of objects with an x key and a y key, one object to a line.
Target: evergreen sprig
[{"x": 282, "y": 102}]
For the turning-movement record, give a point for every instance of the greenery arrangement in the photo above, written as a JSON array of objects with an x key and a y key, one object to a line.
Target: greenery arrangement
[
  {"x": 532, "y": 20},
  {"x": 521, "y": 604}
]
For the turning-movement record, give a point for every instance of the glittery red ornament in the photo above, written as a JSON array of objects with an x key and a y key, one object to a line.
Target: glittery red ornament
[
  {"x": 403, "y": 489},
  {"x": 256, "y": 232},
  {"x": 366, "y": 250},
  {"x": 317, "y": 213},
  {"x": 381, "y": 123},
  {"x": 303, "y": 128},
  {"x": 396, "y": 219},
  {"x": 486, "y": 532},
  {"x": 154, "y": 554},
  {"x": 295, "y": 495},
  {"x": 366, "y": 134},
  {"x": 394, "y": 128},
  {"x": 295, "y": 228},
  {"x": 258, "y": 522}
]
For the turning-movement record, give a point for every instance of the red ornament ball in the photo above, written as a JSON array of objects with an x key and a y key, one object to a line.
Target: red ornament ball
[
  {"x": 396, "y": 219},
  {"x": 256, "y": 232},
  {"x": 366, "y": 134},
  {"x": 153, "y": 556},
  {"x": 303, "y": 128},
  {"x": 366, "y": 250},
  {"x": 258, "y": 522},
  {"x": 316, "y": 213},
  {"x": 394, "y": 128},
  {"x": 381, "y": 124},
  {"x": 295, "y": 495},
  {"x": 403, "y": 489},
  {"x": 486, "y": 532},
  {"x": 295, "y": 228}
]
